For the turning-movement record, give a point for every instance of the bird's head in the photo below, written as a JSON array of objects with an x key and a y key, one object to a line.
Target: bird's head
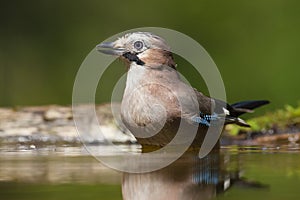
[{"x": 141, "y": 48}]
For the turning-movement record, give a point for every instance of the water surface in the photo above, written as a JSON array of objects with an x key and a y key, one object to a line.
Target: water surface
[{"x": 71, "y": 173}]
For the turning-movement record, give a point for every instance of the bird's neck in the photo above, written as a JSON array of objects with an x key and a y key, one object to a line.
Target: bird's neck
[
  {"x": 157, "y": 57},
  {"x": 135, "y": 75},
  {"x": 138, "y": 75}
]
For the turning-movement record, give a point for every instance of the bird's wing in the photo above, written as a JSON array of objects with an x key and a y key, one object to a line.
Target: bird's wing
[
  {"x": 205, "y": 103},
  {"x": 215, "y": 110}
]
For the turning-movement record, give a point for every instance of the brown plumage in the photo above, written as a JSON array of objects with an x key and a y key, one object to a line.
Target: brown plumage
[{"x": 156, "y": 101}]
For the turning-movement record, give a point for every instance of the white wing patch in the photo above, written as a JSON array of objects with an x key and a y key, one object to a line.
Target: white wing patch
[{"x": 226, "y": 112}]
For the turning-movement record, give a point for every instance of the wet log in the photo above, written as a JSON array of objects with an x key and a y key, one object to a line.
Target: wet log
[{"x": 54, "y": 124}]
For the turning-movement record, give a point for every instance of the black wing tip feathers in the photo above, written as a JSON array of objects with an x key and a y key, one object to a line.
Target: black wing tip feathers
[{"x": 251, "y": 104}]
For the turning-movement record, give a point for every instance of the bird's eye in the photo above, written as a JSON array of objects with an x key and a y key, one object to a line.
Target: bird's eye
[{"x": 138, "y": 45}]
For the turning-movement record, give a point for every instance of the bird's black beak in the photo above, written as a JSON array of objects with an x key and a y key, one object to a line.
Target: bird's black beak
[{"x": 110, "y": 49}]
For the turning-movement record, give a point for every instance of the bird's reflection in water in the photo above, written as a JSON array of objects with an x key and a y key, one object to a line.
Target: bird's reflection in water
[{"x": 187, "y": 178}]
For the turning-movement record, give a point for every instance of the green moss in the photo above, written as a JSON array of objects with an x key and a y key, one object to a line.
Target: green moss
[{"x": 281, "y": 119}]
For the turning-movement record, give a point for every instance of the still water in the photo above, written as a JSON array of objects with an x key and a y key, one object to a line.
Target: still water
[{"x": 51, "y": 172}]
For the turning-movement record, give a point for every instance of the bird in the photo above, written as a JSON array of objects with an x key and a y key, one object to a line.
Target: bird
[{"x": 156, "y": 101}]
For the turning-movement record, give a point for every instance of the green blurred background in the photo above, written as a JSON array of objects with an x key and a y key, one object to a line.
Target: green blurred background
[{"x": 255, "y": 44}]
